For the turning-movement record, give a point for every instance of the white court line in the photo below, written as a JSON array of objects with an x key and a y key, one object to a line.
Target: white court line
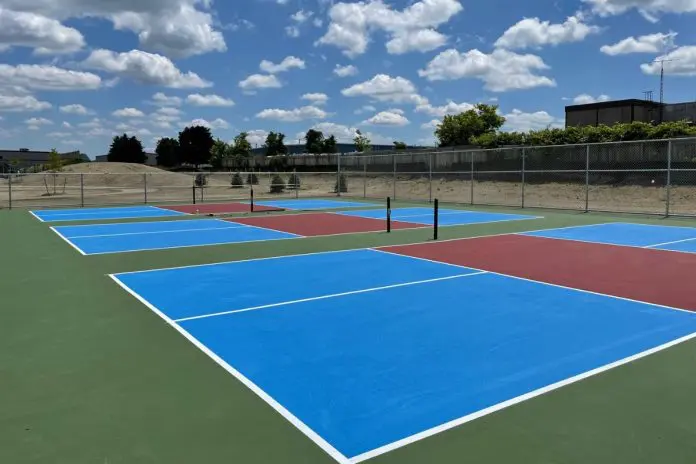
[
  {"x": 164, "y": 208},
  {"x": 37, "y": 217},
  {"x": 68, "y": 241},
  {"x": 672, "y": 243},
  {"x": 94, "y": 212},
  {"x": 511, "y": 402},
  {"x": 325, "y": 297},
  {"x": 290, "y": 417},
  {"x": 159, "y": 232}
]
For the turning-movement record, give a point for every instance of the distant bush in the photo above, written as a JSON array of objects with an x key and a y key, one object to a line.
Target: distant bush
[
  {"x": 237, "y": 181},
  {"x": 252, "y": 179},
  {"x": 277, "y": 184},
  {"x": 294, "y": 182},
  {"x": 201, "y": 180},
  {"x": 341, "y": 184}
]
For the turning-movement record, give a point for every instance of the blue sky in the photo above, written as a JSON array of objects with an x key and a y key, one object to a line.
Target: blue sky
[{"x": 77, "y": 72}]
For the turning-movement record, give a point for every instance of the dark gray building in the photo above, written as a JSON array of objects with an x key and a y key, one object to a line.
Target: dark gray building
[
  {"x": 14, "y": 160},
  {"x": 627, "y": 111}
]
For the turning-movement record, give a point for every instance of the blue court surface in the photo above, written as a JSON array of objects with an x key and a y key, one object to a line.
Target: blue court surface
[
  {"x": 447, "y": 217},
  {"x": 141, "y": 236},
  {"x": 90, "y": 214},
  {"x": 670, "y": 238},
  {"x": 366, "y": 351},
  {"x": 310, "y": 204}
]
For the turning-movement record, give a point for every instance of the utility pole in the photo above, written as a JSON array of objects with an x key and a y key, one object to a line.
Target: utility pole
[{"x": 662, "y": 86}]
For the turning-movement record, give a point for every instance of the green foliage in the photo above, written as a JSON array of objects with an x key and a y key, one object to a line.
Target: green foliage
[
  {"x": 330, "y": 145},
  {"x": 400, "y": 146},
  {"x": 314, "y": 142},
  {"x": 196, "y": 143},
  {"x": 252, "y": 179},
  {"x": 586, "y": 134},
  {"x": 277, "y": 184},
  {"x": 55, "y": 162},
  {"x": 275, "y": 144},
  {"x": 341, "y": 184},
  {"x": 126, "y": 149},
  {"x": 460, "y": 129},
  {"x": 278, "y": 163},
  {"x": 294, "y": 181},
  {"x": 241, "y": 146},
  {"x": 237, "y": 181},
  {"x": 219, "y": 153},
  {"x": 168, "y": 152},
  {"x": 362, "y": 143}
]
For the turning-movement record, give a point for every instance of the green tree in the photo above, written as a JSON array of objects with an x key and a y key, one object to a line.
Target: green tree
[
  {"x": 241, "y": 146},
  {"x": 126, "y": 149},
  {"x": 362, "y": 143},
  {"x": 329, "y": 145},
  {"x": 314, "y": 142},
  {"x": 400, "y": 146},
  {"x": 219, "y": 153},
  {"x": 275, "y": 144},
  {"x": 168, "y": 152},
  {"x": 459, "y": 129},
  {"x": 196, "y": 143}
]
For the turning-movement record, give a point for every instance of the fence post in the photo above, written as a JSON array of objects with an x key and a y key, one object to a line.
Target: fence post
[
  {"x": 587, "y": 179},
  {"x": 145, "y": 187},
  {"x": 338, "y": 178},
  {"x": 9, "y": 192},
  {"x": 394, "y": 180},
  {"x": 669, "y": 178},
  {"x": 82, "y": 190},
  {"x": 524, "y": 178},
  {"x": 472, "y": 178},
  {"x": 296, "y": 181},
  {"x": 365, "y": 177},
  {"x": 430, "y": 177}
]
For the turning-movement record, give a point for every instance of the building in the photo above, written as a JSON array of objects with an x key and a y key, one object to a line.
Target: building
[
  {"x": 627, "y": 111},
  {"x": 17, "y": 160},
  {"x": 151, "y": 159}
]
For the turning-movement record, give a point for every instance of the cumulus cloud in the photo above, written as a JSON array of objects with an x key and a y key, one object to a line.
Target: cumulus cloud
[
  {"x": 45, "y": 77},
  {"x": 23, "y": 103},
  {"x": 345, "y": 71},
  {"x": 208, "y": 100},
  {"x": 679, "y": 62},
  {"x": 74, "y": 109},
  {"x": 161, "y": 99},
  {"x": 316, "y": 98},
  {"x": 260, "y": 81},
  {"x": 386, "y": 88},
  {"x": 440, "y": 111},
  {"x": 388, "y": 118},
  {"x": 288, "y": 63},
  {"x": 650, "y": 9},
  {"x": 534, "y": 33},
  {"x": 293, "y": 115},
  {"x": 520, "y": 121},
  {"x": 44, "y": 35},
  {"x": 651, "y": 43},
  {"x": 584, "y": 99}
]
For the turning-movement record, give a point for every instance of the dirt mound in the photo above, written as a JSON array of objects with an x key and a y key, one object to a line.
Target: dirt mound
[{"x": 112, "y": 168}]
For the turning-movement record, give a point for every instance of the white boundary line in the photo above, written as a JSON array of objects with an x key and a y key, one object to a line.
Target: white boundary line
[
  {"x": 318, "y": 440},
  {"x": 37, "y": 217},
  {"x": 513, "y": 401},
  {"x": 115, "y": 218},
  {"x": 672, "y": 243},
  {"x": 68, "y": 241},
  {"x": 98, "y": 210},
  {"x": 241, "y": 226},
  {"x": 118, "y": 224},
  {"x": 164, "y": 208},
  {"x": 326, "y": 297}
]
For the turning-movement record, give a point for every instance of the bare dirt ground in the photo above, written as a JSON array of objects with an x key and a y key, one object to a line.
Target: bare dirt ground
[{"x": 120, "y": 183}]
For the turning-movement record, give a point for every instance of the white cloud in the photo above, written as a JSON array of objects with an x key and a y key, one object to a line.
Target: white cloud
[
  {"x": 432, "y": 125},
  {"x": 648, "y": 8},
  {"x": 534, "y": 33},
  {"x": 147, "y": 68},
  {"x": 95, "y": 123},
  {"x": 285, "y": 65},
  {"x": 520, "y": 121},
  {"x": 584, "y": 99},
  {"x": 67, "y": 125},
  {"x": 216, "y": 124},
  {"x": 161, "y": 99},
  {"x": 260, "y": 81},
  {"x": 345, "y": 71},
  {"x": 500, "y": 70},
  {"x": 292, "y": 31},
  {"x": 318, "y": 22},
  {"x": 44, "y": 35},
  {"x": 128, "y": 113},
  {"x": 45, "y": 77},
  {"x": 450, "y": 108},
  {"x": 652, "y": 43},
  {"x": 38, "y": 122},
  {"x": 353, "y": 23},
  {"x": 683, "y": 62},
  {"x": 169, "y": 111},
  {"x": 294, "y": 115},
  {"x": 208, "y": 100},
  {"x": 316, "y": 98},
  {"x": 388, "y": 118},
  {"x": 71, "y": 142},
  {"x": 59, "y": 135},
  {"x": 301, "y": 16},
  {"x": 24, "y": 103},
  {"x": 257, "y": 137},
  {"x": 75, "y": 109},
  {"x": 366, "y": 109},
  {"x": 385, "y": 88}
]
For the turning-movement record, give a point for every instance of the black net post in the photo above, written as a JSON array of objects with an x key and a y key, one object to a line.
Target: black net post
[
  {"x": 193, "y": 189},
  {"x": 251, "y": 199},
  {"x": 388, "y": 214},
  {"x": 435, "y": 219}
]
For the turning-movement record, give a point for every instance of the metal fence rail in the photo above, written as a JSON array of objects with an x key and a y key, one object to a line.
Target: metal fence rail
[{"x": 653, "y": 177}]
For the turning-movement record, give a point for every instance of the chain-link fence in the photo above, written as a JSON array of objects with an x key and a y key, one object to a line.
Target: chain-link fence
[{"x": 654, "y": 177}]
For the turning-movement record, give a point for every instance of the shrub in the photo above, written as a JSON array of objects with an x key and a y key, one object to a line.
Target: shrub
[
  {"x": 294, "y": 182},
  {"x": 201, "y": 180},
  {"x": 277, "y": 184},
  {"x": 342, "y": 184},
  {"x": 252, "y": 179},
  {"x": 237, "y": 181}
]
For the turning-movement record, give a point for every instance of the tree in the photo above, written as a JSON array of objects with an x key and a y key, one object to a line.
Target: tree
[
  {"x": 219, "y": 153},
  {"x": 241, "y": 146},
  {"x": 126, "y": 149},
  {"x": 168, "y": 152},
  {"x": 362, "y": 143},
  {"x": 55, "y": 162},
  {"x": 314, "y": 142},
  {"x": 275, "y": 144},
  {"x": 196, "y": 144},
  {"x": 459, "y": 129},
  {"x": 400, "y": 146},
  {"x": 330, "y": 145}
]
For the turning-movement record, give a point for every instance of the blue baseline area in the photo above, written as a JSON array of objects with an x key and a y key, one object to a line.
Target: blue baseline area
[
  {"x": 671, "y": 238},
  {"x": 310, "y": 204},
  {"x": 447, "y": 217},
  {"x": 142, "y": 236},
  {"x": 93, "y": 214},
  {"x": 365, "y": 370}
]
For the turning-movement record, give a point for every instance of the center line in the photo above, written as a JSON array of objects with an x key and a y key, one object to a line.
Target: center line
[{"x": 324, "y": 297}]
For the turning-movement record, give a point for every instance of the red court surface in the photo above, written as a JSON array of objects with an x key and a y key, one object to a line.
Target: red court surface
[
  {"x": 219, "y": 208},
  {"x": 652, "y": 276},
  {"x": 317, "y": 224}
]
